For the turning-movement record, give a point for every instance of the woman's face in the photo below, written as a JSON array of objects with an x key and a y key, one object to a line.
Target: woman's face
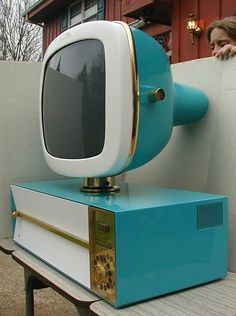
[{"x": 219, "y": 39}]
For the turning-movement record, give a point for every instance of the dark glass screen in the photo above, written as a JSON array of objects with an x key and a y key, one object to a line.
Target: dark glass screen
[{"x": 73, "y": 106}]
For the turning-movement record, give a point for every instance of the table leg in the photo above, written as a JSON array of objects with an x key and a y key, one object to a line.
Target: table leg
[
  {"x": 83, "y": 311},
  {"x": 31, "y": 284}
]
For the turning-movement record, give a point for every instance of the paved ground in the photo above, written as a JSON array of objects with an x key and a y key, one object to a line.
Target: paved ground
[{"x": 12, "y": 296}]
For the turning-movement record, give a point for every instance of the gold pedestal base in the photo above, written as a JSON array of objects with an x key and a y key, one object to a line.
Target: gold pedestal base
[{"x": 100, "y": 185}]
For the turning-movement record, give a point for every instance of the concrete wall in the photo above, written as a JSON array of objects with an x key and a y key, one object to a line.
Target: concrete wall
[
  {"x": 202, "y": 156},
  {"x": 21, "y": 157}
]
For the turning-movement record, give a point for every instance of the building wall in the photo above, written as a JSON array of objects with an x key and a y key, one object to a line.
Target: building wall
[
  {"x": 201, "y": 156},
  {"x": 51, "y": 30},
  {"x": 55, "y": 24},
  {"x": 206, "y": 11},
  {"x": 113, "y": 11},
  {"x": 21, "y": 157},
  {"x": 182, "y": 49}
]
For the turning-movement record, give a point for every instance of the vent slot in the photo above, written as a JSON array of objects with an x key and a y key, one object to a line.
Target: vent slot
[{"x": 209, "y": 215}]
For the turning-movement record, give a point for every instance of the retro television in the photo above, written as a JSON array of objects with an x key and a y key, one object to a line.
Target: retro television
[
  {"x": 108, "y": 102},
  {"x": 107, "y": 105}
]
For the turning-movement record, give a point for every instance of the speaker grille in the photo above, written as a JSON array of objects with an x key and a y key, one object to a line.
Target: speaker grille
[{"x": 209, "y": 215}]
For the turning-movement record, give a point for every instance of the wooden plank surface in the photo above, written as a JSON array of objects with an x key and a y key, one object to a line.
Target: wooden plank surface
[
  {"x": 8, "y": 246},
  {"x": 54, "y": 279},
  {"x": 213, "y": 299}
]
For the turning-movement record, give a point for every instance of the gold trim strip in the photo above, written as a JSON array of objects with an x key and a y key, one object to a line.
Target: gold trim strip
[
  {"x": 135, "y": 87},
  {"x": 55, "y": 230}
]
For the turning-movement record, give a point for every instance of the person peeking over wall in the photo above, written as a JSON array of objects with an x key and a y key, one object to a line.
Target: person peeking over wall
[{"x": 221, "y": 35}]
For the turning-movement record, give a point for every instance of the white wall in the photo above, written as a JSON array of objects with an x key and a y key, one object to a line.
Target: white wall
[
  {"x": 21, "y": 157},
  {"x": 202, "y": 156}
]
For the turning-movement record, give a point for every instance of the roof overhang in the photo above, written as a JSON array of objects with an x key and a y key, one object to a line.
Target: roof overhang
[
  {"x": 42, "y": 10},
  {"x": 157, "y": 11}
]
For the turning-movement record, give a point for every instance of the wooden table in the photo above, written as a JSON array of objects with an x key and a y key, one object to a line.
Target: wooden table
[
  {"x": 213, "y": 299},
  {"x": 40, "y": 275}
]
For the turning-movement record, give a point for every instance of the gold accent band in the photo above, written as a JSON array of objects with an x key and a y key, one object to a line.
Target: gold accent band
[
  {"x": 135, "y": 88},
  {"x": 55, "y": 230}
]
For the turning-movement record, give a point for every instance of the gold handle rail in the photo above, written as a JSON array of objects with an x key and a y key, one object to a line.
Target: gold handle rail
[{"x": 55, "y": 230}]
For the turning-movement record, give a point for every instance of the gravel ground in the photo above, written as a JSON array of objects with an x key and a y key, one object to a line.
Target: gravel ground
[{"x": 12, "y": 296}]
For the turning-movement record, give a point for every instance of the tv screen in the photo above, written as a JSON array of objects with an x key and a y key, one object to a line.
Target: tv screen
[{"x": 73, "y": 103}]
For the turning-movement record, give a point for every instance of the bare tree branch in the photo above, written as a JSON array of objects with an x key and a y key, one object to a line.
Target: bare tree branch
[{"x": 19, "y": 40}]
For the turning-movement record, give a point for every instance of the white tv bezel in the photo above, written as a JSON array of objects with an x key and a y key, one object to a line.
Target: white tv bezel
[{"x": 119, "y": 97}]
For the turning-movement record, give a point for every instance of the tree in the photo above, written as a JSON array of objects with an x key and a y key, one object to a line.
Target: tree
[{"x": 19, "y": 40}]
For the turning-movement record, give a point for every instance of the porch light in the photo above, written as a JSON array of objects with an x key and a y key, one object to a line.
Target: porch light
[{"x": 193, "y": 28}]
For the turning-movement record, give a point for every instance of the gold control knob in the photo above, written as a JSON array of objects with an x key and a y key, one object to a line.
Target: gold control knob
[
  {"x": 156, "y": 95},
  {"x": 99, "y": 274}
]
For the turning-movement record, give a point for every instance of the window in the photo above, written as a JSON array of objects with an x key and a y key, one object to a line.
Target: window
[{"x": 82, "y": 11}]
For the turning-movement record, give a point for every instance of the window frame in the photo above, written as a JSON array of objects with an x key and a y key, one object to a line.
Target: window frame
[{"x": 83, "y": 18}]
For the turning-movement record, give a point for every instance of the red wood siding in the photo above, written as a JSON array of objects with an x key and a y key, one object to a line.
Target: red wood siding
[
  {"x": 182, "y": 49},
  {"x": 113, "y": 11},
  {"x": 134, "y": 5},
  {"x": 51, "y": 30},
  {"x": 206, "y": 11}
]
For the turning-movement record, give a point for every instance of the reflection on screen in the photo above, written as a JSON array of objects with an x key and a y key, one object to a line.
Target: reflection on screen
[{"x": 73, "y": 109}]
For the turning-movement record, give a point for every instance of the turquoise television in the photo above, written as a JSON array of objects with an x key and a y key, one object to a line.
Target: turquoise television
[{"x": 108, "y": 105}]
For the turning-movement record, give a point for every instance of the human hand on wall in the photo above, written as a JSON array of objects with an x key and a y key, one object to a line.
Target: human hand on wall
[{"x": 225, "y": 52}]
